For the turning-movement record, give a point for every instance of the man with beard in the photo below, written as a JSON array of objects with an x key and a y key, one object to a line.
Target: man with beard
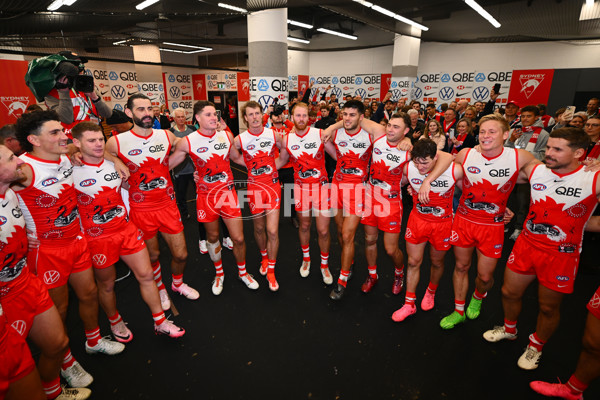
[
  {"x": 353, "y": 138},
  {"x": 259, "y": 146},
  {"x": 210, "y": 150},
  {"x": 151, "y": 195},
  {"x": 304, "y": 147},
  {"x": 563, "y": 197}
]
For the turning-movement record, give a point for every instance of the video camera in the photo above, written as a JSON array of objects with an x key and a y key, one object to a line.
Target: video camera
[
  {"x": 44, "y": 73},
  {"x": 277, "y": 108}
]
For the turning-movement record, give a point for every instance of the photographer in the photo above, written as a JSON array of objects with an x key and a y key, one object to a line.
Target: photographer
[{"x": 73, "y": 97}]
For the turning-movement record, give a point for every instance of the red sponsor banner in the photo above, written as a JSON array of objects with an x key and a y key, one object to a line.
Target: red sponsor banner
[
  {"x": 530, "y": 86},
  {"x": 199, "y": 86},
  {"x": 243, "y": 84},
  {"x": 302, "y": 85},
  {"x": 15, "y": 96},
  {"x": 386, "y": 81}
]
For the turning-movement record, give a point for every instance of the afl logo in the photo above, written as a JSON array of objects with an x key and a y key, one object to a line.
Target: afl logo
[
  {"x": 562, "y": 278},
  {"x": 202, "y": 150},
  {"x": 2, "y": 220},
  {"x": 377, "y": 151},
  {"x": 498, "y": 246},
  {"x": 474, "y": 170},
  {"x": 49, "y": 181},
  {"x": 416, "y": 181},
  {"x": 538, "y": 186},
  {"x": 295, "y": 147},
  {"x": 251, "y": 147},
  {"x": 87, "y": 182},
  {"x": 135, "y": 152},
  {"x": 343, "y": 144}
]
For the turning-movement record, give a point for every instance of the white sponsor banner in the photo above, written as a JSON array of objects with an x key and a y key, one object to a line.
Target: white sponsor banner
[
  {"x": 179, "y": 92},
  {"x": 264, "y": 90},
  {"x": 122, "y": 80},
  {"x": 293, "y": 83},
  {"x": 154, "y": 90},
  {"x": 400, "y": 87},
  {"x": 220, "y": 81},
  {"x": 367, "y": 86},
  {"x": 445, "y": 87}
]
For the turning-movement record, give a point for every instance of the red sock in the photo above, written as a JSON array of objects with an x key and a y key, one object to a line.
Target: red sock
[
  {"x": 68, "y": 360},
  {"x": 115, "y": 319},
  {"x": 177, "y": 280},
  {"x": 343, "y": 279},
  {"x": 52, "y": 388},
  {"x": 398, "y": 270},
  {"x": 431, "y": 288},
  {"x": 157, "y": 275},
  {"x": 478, "y": 296},
  {"x": 510, "y": 326},
  {"x": 324, "y": 260},
  {"x": 159, "y": 318},
  {"x": 536, "y": 342},
  {"x": 219, "y": 267},
  {"x": 242, "y": 268},
  {"x": 410, "y": 299},
  {"x": 459, "y": 306},
  {"x": 373, "y": 271},
  {"x": 93, "y": 336},
  {"x": 576, "y": 386},
  {"x": 263, "y": 254},
  {"x": 305, "y": 253}
]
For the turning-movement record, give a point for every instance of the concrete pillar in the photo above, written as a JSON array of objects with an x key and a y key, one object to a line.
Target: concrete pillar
[
  {"x": 405, "y": 63},
  {"x": 267, "y": 56}
]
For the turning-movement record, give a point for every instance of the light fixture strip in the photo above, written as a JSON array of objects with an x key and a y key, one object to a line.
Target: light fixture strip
[
  {"x": 300, "y": 24},
  {"x": 329, "y": 31},
  {"x": 55, "y": 5},
  {"x": 392, "y": 14},
  {"x": 293, "y": 39},
  {"x": 475, "y": 6},
  {"x": 184, "y": 45},
  {"x": 145, "y": 4},
  {"x": 234, "y": 8}
]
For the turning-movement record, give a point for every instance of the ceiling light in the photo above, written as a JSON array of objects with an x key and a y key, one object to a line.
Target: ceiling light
[
  {"x": 384, "y": 11},
  {"x": 300, "y": 24},
  {"x": 337, "y": 33},
  {"x": 473, "y": 4},
  {"x": 201, "y": 49},
  {"x": 293, "y": 39},
  {"x": 120, "y": 42},
  {"x": 234, "y": 8},
  {"x": 590, "y": 11},
  {"x": 55, "y": 5},
  {"x": 68, "y": 2},
  {"x": 145, "y": 4},
  {"x": 392, "y": 14},
  {"x": 185, "y": 45}
]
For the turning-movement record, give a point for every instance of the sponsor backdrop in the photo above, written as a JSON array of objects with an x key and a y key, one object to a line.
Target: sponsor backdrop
[
  {"x": 444, "y": 87},
  {"x": 178, "y": 92},
  {"x": 15, "y": 96},
  {"x": 115, "y": 82},
  {"x": 265, "y": 90}
]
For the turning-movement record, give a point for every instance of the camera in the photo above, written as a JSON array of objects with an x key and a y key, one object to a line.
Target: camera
[{"x": 277, "y": 110}]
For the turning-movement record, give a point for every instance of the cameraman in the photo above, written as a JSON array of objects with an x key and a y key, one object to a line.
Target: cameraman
[{"x": 71, "y": 104}]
